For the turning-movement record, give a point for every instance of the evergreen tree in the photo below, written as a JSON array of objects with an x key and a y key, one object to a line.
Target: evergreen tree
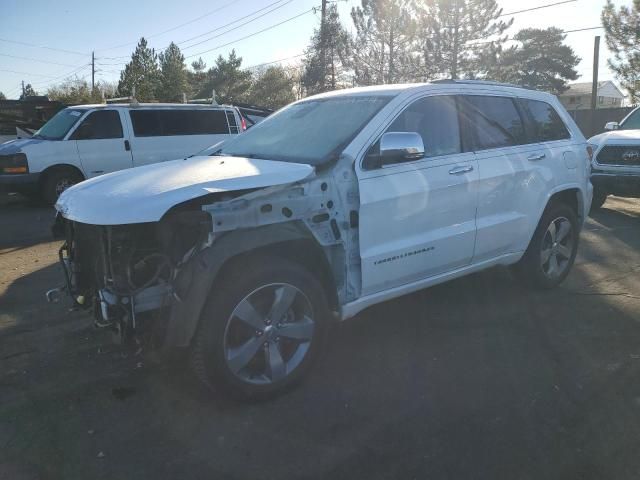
[
  {"x": 327, "y": 56},
  {"x": 382, "y": 45},
  {"x": 142, "y": 72},
  {"x": 2, "y": 96},
  {"x": 453, "y": 33},
  {"x": 622, "y": 34},
  {"x": 28, "y": 92},
  {"x": 229, "y": 81},
  {"x": 173, "y": 75},
  {"x": 542, "y": 61},
  {"x": 272, "y": 87},
  {"x": 197, "y": 77}
]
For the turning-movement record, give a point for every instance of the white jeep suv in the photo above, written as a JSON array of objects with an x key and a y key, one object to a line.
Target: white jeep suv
[{"x": 335, "y": 203}]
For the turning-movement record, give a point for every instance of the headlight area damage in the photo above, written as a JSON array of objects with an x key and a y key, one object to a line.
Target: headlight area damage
[{"x": 148, "y": 282}]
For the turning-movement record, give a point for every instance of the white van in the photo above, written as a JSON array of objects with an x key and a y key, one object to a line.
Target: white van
[{"x": 90, "y": 140}]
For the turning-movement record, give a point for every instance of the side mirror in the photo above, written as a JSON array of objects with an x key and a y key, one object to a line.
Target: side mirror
[
  {"x": 401, "y": 147},
  {"x": 611, "y": 126}
]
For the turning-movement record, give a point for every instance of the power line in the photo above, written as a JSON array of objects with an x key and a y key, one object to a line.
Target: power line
[
  {"x": 538, "y": 8},
  {"x": 481, "y": 42},
  {"x": 26, "y": 73},
  {"x": 42, "y": 46},
  {"x": 274, "y": 61},
  {"x": 35, "y": 60},
  {"x": 250, "y": 35}
]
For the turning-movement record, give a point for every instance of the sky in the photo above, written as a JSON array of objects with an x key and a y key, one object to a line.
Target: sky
[{"x": 42, "y": 42}]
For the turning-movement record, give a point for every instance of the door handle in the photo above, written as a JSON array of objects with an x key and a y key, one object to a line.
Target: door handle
[
  {"x": 536, "y": 157},
  {"x": 460, "y": 170},
  {"x": 127, "y": 145}
]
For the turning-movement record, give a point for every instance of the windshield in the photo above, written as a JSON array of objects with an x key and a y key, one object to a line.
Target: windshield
[
  {"x": 632, "y": 122},
  {"x": 59, "y": 125},
  {"x": 307, "y": 132}
]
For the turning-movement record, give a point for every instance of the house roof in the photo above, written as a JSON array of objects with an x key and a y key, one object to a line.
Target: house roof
[{"x": 584, "y": 88}]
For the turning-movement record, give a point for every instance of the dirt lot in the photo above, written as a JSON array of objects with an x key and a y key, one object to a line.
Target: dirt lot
[{"x": 477, "y": 378}]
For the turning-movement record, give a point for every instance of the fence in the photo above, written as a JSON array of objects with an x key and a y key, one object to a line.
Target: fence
[{"x": 592, "y": 123}]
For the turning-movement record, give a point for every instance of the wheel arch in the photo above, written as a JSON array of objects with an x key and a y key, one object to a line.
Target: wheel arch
[
  {"x": 291, "y": 240},
  {"x": 57, "y": 168}
]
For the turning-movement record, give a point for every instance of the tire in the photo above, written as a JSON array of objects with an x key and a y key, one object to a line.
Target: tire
[
  {"x": 559, "y": 251},
  {"x": 255, "y": 358},
  {"x": 56, "y": 182},
  {"x": 599, "y": 197}
]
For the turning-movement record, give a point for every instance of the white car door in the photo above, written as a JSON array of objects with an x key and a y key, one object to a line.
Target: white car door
[
  {"x": 101, "y": 143},
  {"x": 417, "y": 219}
]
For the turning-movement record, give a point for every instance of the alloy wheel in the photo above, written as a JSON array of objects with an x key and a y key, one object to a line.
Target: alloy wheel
[{"x": 558, "y": 244}]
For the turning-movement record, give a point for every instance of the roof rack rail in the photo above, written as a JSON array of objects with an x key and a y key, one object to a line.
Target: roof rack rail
[{"x": 477, "y": 82}]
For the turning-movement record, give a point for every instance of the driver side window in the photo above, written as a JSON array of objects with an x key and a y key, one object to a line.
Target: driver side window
[
  {"x": 99, "y": 125},
  {"x": 633, "y": 122},
  {"x": 435, "y": 119}
]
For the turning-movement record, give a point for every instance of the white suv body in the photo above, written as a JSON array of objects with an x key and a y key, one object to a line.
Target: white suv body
[
  {"x": 85, "y": 141},
  {"x": 335, "y": 203}
]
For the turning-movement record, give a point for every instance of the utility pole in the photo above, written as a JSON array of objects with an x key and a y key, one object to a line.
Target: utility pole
[
  {"x": 323, "y": 43},
  {"x": 23, "y": 89},
  {"x": 93, "y": 71},
  {"x": 594, "y": 85}
]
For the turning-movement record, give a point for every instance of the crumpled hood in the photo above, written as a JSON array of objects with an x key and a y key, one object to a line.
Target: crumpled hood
[
  {"x": 16, "y": 146},
  {"x": 617, "y": 137},
  {"x": 145, "y": 194}
]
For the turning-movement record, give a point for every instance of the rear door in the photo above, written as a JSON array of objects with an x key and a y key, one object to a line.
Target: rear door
[
  {"x": 168, "y": 134},
  {"x": 101, "y": 143},
  {"x": 417, "y": 218}
]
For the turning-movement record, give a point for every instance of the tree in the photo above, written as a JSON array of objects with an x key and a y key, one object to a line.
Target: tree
[
  {"x": 28, "y": 92},
  {"x": 198, "y": 77},
  {"x": 230, "y": 82},
  {"x": 453, "y": 35},
  {"x": 382, "y": 45},
  {"x": 142, "y": 73},
  {"x": 173, "y": 75},
  {"x": 74, "y": 92},
  {"x": 2, "y": 96},
  {"x": 622, "y": 34},
  {"x": 542, "y": 61},
  {"x": 272, "y": 87},
  {"x": 327, "y": 57}
]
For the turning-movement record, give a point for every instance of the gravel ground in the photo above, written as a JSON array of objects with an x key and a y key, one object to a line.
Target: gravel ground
[{"x": 478, "y": 378}]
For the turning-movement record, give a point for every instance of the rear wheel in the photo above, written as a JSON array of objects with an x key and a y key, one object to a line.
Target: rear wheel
[
  {"x": 260, "y": 330},
  {"x": 599, "y": 197},
  {"x": 56, "y": 182},
  {"x": 552, "y": 250}
]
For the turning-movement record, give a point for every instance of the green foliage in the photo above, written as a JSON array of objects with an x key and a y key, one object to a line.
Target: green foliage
[
  {"x": 142, "y": 72},
  {"x": 28, "y": 92},
  {"x": 328, "y": 56},
  {"x": 542, "y": 61},
  {"x": 74, "y": 92},
  {"x": 272, "y": 88},
  {"x": 198, "y": 77},
  {"x": 2, "y": 96},
  {"x": 452, "y": 36},
  {"x": 230, "y": 82},
  {"x": 173, "y": 75},
  {"x": 382, "y": 47},
  {"x": 622, "y": 34}
]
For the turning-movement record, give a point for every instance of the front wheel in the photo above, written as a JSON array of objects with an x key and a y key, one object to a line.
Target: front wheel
[
  {"x": 261, "y": 329},
  {"x": 552, "y": 250},
  {"x": 56, "y": 182}
]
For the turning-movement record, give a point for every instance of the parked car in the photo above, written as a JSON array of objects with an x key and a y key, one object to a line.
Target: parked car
[
  {"x": 616, "y": 160},
  {"x": 332, "y": 204},
  {"x": 90, "y": 140}
]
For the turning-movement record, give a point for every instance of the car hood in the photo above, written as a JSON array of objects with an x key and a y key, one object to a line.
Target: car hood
[
  {"x": 617, "y": 137},
  {"x": 145, "y": 194},
  {"x": 17, "y": 145}
]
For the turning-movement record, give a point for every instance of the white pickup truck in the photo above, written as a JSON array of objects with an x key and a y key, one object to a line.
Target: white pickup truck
[{"x": 334, "y": 203}]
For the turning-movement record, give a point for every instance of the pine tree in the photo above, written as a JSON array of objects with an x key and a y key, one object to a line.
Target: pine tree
[
  {"x": 142, "y": 73},
  {"x": 542, "y": 61},
  {"x": 2, "y": 96},
  {"x": 272, "y": 87},
  {"x": 327, "y": 57},
  {"x": 173, "y": 75},
  {"x": 230, "y": 82},
  {"x": 453, "y": 36},
  {"x": 622, "y": 34},
  {"x": 28, "y": 92},
  {"x": 197, "y": 77},
  {"x": 382, "y": 45}
]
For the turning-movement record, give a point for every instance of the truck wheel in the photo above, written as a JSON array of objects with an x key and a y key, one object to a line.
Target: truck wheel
[
  {"x": 260, "y": 330},
  {"x": 57, "y": 182},
  {"x": 552, "y": 250},
  {"x": 599, "y": 197}
]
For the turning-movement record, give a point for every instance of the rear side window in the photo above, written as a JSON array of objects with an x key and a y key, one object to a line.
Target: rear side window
[
  {"x": 233, "y": 125},
  {"x": 99, "y": 125},
  {"x": 496, "y": 121},
  {"x": 162, "y": 123},
  {"x": 436, "y": 120},
  {"x": 546, "y": 123}
]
